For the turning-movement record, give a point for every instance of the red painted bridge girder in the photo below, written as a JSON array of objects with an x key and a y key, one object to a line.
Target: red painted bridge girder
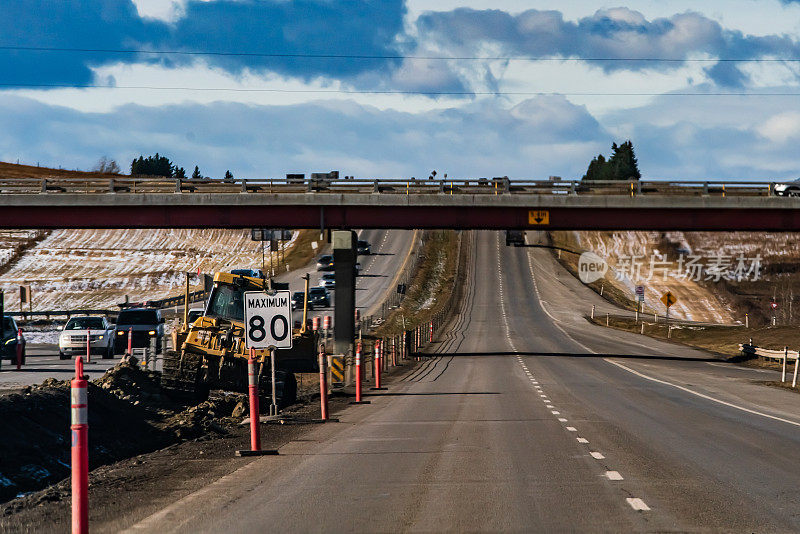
[{"x": 398, "y": 216}]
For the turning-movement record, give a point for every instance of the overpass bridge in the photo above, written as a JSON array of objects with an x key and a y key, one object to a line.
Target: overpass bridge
[{"x": 499, "y": 203}]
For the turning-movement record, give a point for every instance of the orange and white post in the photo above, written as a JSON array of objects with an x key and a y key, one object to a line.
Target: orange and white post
[{"x": 80, "y": 451}]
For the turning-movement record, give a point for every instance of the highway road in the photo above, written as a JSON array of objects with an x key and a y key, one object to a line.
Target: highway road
[
  {"x": 389, "y": 249},
  {"x": 527, "y": 418}
]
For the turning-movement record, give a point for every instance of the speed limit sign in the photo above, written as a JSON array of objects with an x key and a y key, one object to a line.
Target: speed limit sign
[{"x": 268, "y": 320}]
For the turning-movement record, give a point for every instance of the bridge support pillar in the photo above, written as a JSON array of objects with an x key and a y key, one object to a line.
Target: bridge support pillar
[{"x": 344, "y": 259}]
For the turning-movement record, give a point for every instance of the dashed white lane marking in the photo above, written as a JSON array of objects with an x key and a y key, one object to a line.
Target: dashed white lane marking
[
  {"x": 701, "y": 395},
  {"x": 562, "y": 420},
  {"x": 637, "y": 504},
  {"x": 556, "y": 412},
  {"x": 613, "y": 475},
  {"x": 543, "y": 396},
  {"x": 583, "y": 440},
  {"x": 597, "y": 455},
  {"x": 572, "y": 429},
  {"x": 550, "y": 406}
]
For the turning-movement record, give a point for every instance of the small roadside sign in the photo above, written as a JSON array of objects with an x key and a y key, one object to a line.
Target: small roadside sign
[
  {"x": 669, "y": 299},
  {"x": 774, "y": 305},
  {"x": 640, "y": 293},
  {"x": 538, "y": 217},
  {"x": 268, "y": 319}
]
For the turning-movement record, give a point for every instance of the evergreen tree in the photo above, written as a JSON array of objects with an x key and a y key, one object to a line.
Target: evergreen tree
[
  {"x": 622, "y": 165},
  {"x": 179, "y": 172},
  {"x": 196, "y": 174},
  {"x": 228, "y": 175},
  {"x": 152, "y": 166}
]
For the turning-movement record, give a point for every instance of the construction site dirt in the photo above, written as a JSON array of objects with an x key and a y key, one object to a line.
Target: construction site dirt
[{"x": 145, "y": 450}]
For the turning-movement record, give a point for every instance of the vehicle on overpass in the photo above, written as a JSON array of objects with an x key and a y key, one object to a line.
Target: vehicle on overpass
[
  {"x": 298, "y": 297},
  {"x": 328, "y": 281},
  {"x": 788, "y": 189},
  {"x": 515, "y": 238},
  {"x": 8, "y": 342},
  {"x": 72, "y": 340},
  {"x": 213, "y": 353},
  {"x": 145, "y": 325}
]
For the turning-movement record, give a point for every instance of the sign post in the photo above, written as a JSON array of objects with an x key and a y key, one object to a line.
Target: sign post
[
  {"x": 268, "y": 325},
  {"x": 668, "y": 299},
  {"x": 639, "y": 301}
]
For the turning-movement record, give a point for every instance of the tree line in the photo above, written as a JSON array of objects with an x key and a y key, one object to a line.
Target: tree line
[{"x": 159, "y": 165}]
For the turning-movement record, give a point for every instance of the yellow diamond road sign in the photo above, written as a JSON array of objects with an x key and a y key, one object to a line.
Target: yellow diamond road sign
[
  {"x": 668, "y": 299},
  {"x": 538, "y": 217}
]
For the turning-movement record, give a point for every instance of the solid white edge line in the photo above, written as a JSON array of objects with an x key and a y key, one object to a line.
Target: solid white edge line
[
  {"x": 637, "y": 504},
  {"x": 701, "y": 395},
  {"x": 687, "y": 390}
]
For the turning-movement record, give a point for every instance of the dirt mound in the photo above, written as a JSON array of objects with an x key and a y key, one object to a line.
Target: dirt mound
[{"x": 127, "y": 416}]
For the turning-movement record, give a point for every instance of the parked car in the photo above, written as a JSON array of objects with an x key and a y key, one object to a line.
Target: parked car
[
  {"x": 8, "y": 342},
  {"x": 325, "y": 263},
  {"x": 72, "y": 340},
  {"x": 328, "y": 281},
  {"x": 194, "y": 314},
  {"x": 363, "y": 248},
  {"x": 146, "y": 323},
  {"x": 252, "y": 273},
  {"x": 788, "y": 189},
  {"x": 319, "y": 297}
]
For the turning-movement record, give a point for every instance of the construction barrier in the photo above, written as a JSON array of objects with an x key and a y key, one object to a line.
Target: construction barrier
[{"x": 337, "y": 368}]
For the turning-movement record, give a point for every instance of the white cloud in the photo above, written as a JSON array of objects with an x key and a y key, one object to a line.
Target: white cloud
[{"x": 781, "y": 128}]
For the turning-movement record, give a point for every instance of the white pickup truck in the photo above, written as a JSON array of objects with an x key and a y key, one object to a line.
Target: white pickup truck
[{"x": 72, "y": 340}]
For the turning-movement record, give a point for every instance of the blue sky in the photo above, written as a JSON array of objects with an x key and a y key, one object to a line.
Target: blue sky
[{"x": 396, "y": 88}]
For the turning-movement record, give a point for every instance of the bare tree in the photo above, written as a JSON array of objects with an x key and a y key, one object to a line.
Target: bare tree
[{"x": 106, "y": 165}]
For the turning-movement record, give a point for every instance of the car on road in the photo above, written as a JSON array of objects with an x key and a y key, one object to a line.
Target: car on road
[
  {"x": 72, "y": 340},
  {"x": 319, "y": 297},
  {"x": 325, "y": 263},
  {"x": 363, "y": 248},
  {"x": 8, "y": 341},
  {"x": 328, "y": 281},
  {"x": 298, "y": 297},
  {"x": 146, "y": 325},
  {"x": 788, "y": 189},
  {"x": 515, "y": 238}
]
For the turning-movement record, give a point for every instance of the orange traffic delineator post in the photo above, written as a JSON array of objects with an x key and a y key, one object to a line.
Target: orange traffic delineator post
[
  {"x": 255, "y": 432},
  {"x": 130, "y": 342},
  {"x": 80, "y": 451},
  {"x": 358, "y": 377},
  {"x": 323, "y": 384},
  {"x": 430, "y": 338},
  {"x": 378, "y": 358}
]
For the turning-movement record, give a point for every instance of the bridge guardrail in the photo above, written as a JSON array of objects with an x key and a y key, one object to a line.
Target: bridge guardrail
[{"x": 482, "y": 186}]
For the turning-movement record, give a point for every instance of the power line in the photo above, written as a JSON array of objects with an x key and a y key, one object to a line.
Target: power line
[
  {"x": 279, "y": 55},
  {"x": 382, "y": 92}
]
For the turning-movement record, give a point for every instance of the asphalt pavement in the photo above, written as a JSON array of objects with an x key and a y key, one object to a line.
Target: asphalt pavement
[{"x": 528, "y": 418}]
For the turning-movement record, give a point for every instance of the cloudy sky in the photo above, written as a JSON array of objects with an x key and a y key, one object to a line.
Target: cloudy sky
[{"x": 392, "y": 88}]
